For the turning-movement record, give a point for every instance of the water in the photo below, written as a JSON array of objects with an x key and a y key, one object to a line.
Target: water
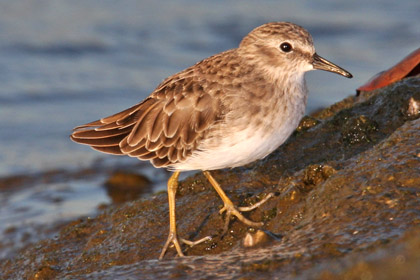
[{"x": 64, "y": 63}]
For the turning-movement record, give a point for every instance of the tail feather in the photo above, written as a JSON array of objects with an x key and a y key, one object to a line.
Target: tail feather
[
  {"x": 95, "y": 134},
  {"x": 100, "y": 142},
  {"x": 113, "y": 150}
]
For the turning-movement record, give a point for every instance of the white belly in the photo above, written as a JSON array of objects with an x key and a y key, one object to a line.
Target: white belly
[
  {"x": 244, "y": 146},
  {"x": 249, "y": 149},
  {"x": 235, "y": 148}
]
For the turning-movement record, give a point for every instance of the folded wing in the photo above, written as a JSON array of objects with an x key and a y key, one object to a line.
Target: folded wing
[{"x": 165, "y": 128}]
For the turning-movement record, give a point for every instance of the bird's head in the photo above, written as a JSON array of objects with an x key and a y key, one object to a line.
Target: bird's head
[{"x": 287, "y": 48}]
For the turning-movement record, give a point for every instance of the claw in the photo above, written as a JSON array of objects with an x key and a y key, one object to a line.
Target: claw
[
  {"x": 172, "y": 238},
  {"x": 256, "y": 205},
  {"x": 228, "y": 207},
  {"x": 193, "y": 243},
  {"x": 231, "y": 209}
]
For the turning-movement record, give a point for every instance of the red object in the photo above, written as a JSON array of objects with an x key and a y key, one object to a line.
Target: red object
[{"x": 409, "y": 66}]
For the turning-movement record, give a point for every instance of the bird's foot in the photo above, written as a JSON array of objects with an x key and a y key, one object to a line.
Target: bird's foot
[
  {"x": 173, "y": 239},
  {"x": 236, "y": 211},
  {"x": 193, "y": 243}
]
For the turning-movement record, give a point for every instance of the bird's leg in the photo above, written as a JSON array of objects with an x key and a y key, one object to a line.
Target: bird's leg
[
  {"x": 230, "y": 208},
  {"x": 173, "y": 236}
]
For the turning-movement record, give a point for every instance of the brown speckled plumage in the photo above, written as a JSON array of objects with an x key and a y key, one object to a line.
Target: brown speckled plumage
[
  {"x": 190, "y": 111},
  {"x": 225, "y": 111},
  {"x": 167, "y": 126},
  {"x": 187, "y": 107}
]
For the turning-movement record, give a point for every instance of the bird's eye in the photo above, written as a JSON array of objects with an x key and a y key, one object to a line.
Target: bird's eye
[{"x": 286, "y": 47}]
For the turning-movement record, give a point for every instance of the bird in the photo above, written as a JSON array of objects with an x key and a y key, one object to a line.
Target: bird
[{"x": 225, "y": 111}]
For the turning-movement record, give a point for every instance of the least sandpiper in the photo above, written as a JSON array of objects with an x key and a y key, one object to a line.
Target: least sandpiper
[{"x": 225, "y": 111}]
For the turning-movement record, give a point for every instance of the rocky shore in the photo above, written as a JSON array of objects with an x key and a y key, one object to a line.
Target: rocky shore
[{"x": 346, "y": 204}]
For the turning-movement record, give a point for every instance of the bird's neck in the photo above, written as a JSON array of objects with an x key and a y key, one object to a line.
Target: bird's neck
[
  {"x": 287, "y": 78},
  {"x": 292, "y": 84}
]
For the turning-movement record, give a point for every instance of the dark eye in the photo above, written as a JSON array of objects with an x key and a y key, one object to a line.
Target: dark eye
[{"x": 286, "y": 47}]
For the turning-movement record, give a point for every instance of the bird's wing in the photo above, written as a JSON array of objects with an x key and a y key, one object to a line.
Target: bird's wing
[{"x": 164, "y": 128}]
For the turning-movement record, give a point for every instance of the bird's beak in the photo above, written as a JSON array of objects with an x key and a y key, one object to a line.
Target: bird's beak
[{"x": 323, "y": 64}]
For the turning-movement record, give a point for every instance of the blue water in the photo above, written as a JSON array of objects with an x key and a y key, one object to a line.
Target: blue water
[{"x": 65, "y": 63}]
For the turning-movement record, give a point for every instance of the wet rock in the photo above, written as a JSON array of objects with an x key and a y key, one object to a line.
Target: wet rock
[
  {"x": 398, "y": 260},
  {"x": 357, "y": 129},
  {"x": 316, "y": 174},
  {"x": 347, "y": 203},
  {"x": 306, "y": 123},
  {"x": 127, "y": 186}
]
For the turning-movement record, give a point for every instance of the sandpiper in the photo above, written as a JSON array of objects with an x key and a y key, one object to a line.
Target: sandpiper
[{"x": 225, "y": 111}]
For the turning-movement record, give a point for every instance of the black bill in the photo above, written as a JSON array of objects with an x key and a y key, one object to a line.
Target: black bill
[{"x": 323, "y": 64}]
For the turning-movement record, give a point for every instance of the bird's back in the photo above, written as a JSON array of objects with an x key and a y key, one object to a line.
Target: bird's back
[
  {"x": 170, "y": 124},
  {"x": 225, "y": 111}
]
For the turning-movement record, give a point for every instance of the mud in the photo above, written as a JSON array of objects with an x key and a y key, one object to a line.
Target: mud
[{"x": 346, "y": 205}]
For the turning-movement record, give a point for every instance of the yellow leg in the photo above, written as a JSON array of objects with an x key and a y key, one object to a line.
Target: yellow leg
[
  {"x": 230, "y": 208},
  {"x": 173, "y": 237}
]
